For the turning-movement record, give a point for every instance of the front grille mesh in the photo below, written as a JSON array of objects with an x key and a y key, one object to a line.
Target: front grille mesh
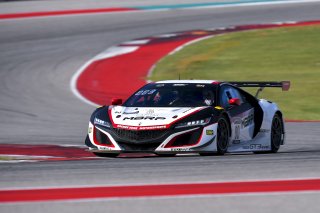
[{"x": 141, "y": 135}]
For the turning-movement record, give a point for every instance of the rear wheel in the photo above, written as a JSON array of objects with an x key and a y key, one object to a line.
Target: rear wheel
[
  {"x": 276, "y": 135},
  {"x": 104, "y": 155}
]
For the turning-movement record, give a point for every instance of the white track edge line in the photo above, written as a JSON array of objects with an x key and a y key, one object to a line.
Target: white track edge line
[{"x": 108, "y": 53}]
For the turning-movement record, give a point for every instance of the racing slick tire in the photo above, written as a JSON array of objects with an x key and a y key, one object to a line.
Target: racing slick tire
[
  {"x": 223, "y": 134},
  {"x": 276, "y": 135},
  {"x": 104, "y": 155}
]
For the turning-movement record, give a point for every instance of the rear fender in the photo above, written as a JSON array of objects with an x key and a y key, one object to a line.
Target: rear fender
[{"x": 269, "y": 110}]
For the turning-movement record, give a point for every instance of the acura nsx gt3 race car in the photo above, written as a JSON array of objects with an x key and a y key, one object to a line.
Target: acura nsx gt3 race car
[{"x": 189, "y": 116}]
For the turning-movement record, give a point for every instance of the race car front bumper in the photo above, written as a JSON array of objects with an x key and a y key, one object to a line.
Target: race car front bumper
[{"x": 195, "y": 139}]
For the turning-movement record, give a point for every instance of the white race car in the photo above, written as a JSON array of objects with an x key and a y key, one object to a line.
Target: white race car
[{"x": 188, "y": 116}]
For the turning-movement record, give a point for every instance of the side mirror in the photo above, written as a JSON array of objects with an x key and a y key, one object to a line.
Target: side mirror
[
  {"x": 234, "y": 102},
  {"x": 116, "y": 101}
]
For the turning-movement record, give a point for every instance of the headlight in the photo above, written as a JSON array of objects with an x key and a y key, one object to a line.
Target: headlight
[
  {"x": 201, "y": 122},
  {"x": 102, "y": 123}
]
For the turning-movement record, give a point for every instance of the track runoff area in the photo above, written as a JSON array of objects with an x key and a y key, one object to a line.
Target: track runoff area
[{"x": 157, "y": 47}]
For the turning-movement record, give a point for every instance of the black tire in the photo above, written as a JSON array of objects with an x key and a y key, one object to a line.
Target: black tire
[
  {"x": 106, "y": 155},
  {"x": 223, "y": 134},
  {"x": 276, "y": 135},
  {"x": 166, "y": 155}
]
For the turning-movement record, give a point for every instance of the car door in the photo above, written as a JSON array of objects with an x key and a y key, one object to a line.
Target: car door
[{"x": 241, "y": 114}]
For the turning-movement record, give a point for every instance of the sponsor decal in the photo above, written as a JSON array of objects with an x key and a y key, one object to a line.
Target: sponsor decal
[
  {"x": 141, "y": 127},
  {"x": 128, "y": 113},
  {"x": 219, "y": 108},
  {"x": 180, "y": 149},
  {"x": 101, "y": 122},
  {"x": 104, "y": 148},
  {"x": 152, "y": 127},
  {"x": 145, "y": 92},
  {"x": 209, "y": 132},
  {"x": 89, "y": 130},
  {"x": 200, "y": 85},
  {"x": 256, "y": 147},
  {"x": 265, "y": 130},
  {"x": 151, "y": 118},
  {"x": 247, "y": 121}
]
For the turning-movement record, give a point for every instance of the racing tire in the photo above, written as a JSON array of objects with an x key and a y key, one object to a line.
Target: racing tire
[
  {"x": 276, "y": 135},
  {"x": 105, "y": 155},
  {"x": 222, "y": 142},
  {"x": 223, "y": 134}
]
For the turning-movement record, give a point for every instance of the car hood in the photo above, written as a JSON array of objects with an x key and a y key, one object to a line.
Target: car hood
[{"x": 148, "y": 118}]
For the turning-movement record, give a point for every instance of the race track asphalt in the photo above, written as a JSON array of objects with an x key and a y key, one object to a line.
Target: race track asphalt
[{"x": 38, "y": 58}]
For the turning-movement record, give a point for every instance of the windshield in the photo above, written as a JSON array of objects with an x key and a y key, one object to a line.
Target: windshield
[{"x": 173, "y": 95}]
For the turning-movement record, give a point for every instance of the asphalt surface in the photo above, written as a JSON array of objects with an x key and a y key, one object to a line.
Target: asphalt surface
[
  {"x": 21, "y": 6},
  {"x": 38, "y": 57}
]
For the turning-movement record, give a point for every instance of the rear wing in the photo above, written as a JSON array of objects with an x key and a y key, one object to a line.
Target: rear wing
[{"x": 285, "y": 85}]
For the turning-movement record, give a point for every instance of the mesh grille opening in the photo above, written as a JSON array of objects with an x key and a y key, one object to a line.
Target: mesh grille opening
[{"x": 138, "y": 136}]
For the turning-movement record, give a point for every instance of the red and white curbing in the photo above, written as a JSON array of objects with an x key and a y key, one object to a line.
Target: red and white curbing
[
  {"x": 17, "y": 153},
  {"x": 109, "y": 53},
  {"x": 129, "y": 64}
]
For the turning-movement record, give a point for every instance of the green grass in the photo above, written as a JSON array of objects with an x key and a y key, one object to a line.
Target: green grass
[{"x": 262, "y": 55}]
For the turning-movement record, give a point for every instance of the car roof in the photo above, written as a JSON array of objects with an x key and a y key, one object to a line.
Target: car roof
[{"x": 188, "y": 82}]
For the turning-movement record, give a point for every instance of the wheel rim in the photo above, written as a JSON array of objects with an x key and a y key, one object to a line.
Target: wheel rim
[
  {"x": 276, "y": 132},
  {"x": 222, "y": 135}
]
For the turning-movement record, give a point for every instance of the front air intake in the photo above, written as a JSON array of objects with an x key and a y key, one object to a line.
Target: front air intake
[
  {"x": 139, "y": 135},
  {"x": 101, "y": 139}
]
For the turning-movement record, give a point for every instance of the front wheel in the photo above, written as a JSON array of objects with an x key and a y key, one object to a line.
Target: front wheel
[{"x": 223, "y": 133}]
